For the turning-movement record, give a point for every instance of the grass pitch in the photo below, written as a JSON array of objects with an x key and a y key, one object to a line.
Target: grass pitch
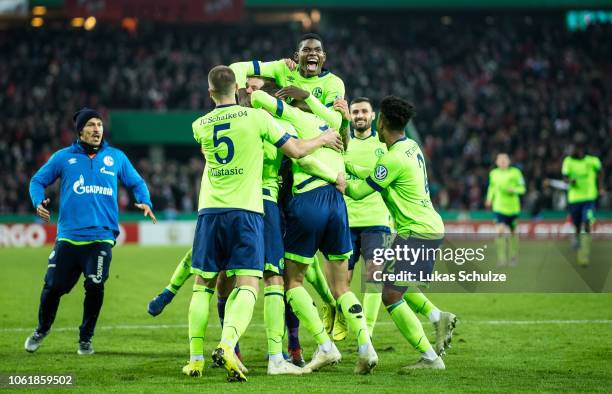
[{"x": 503, "y": 342}]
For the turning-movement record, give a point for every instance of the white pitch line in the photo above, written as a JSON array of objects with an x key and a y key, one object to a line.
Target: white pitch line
[{"x": 259, "y": 325}]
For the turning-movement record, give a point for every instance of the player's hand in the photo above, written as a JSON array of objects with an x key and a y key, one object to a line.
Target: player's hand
[
  {"x": 331, "y": 139},
  {"x": 341, "y": 105},
  {"x": 42, "y": 212},
  {"x": 147, "y": 211},
  {"x": 341, "y": 182},
  {"x": 291, "y": 64},
  {"x": 293, "y": 92},
  {"x": 488, "y": 204}
]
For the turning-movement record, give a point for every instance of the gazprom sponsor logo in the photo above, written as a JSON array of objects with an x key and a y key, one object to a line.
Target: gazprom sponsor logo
[{"x": 79, "y": 187}]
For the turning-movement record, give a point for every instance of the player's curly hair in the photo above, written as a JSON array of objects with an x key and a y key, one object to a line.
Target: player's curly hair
[
  {"x": 310, "y": 36},
  {"x": 397, "y": 112}
]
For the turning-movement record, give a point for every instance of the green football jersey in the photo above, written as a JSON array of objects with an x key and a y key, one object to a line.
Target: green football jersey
[
  {"x": 499, "y": 195},
  {"x": 371, "y": 211},
  {"x": 584, "y": 173},
  {"x": 307, "y": 126},
  {"x": 273, "y": 157},
  {"x": 326, "y": 86},
  {"x": 232, "y": 139},
  {"x": 401, "y": 178}
]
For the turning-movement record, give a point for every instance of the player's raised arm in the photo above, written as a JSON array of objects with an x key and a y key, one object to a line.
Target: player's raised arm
[
  {"x": 330, "y": 116},
  {"x": 275, "y": 69}
]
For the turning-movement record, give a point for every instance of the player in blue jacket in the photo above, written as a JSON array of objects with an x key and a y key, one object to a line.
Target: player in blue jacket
[{"x": 87, "y": 226}]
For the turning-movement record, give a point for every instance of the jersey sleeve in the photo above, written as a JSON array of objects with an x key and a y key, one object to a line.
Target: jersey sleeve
[
  {"x": 313, "y": 166},
  {"x": 329, "y": 115},
  {"x": 565, "y": 168},
  {"x": 491, "y": 188},
  {"x": 271, "y": 131},
  {"x": 596, "y": 164},
  {"x": 44, "y": 177},
  {"x": 383, "y": 173},
  {"x": 334, "y": 90},
  {"x": 261, "y": 99},
  {"x": 519, "y": 182},
  {"x": 275, "y": 69}
]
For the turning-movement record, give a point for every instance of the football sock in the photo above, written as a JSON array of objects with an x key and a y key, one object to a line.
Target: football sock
[
  {"x": 238, "y": 313},
  {"x": 304, "y": 308},
  {"x": 221, "y": 312},
  {"x": 419, "y": 303},
  {"x": 181, "y": 273},
  {"x": 293, "y": 327},
  {"x": 513, "y": 246},
  {"x": 502, "y": 248},
  {"x": 274, "y": 311},
  {"x": 199, "y": 308},
  {"x": 371, "y": 306},
  {"x": 409, "y": 325},
  {"x": 316, "y": 277},
  {"x": 584, "y": 251},
  {"x": 353, "y": 312}
]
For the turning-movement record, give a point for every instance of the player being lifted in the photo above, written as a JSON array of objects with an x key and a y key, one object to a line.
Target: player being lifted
[
  {"x": 229, "y": 233},
  {"x": 305, "y": 71},
  {"x": 506, "y": 185},
  {"x": 401, "y": 178},
  {"x": 583, "y": 174},
  {"x": 317, "y": 220},
  {"x": 369, "y": 221}
]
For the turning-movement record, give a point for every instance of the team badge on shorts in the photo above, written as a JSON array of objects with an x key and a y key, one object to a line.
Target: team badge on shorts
[{"x": 108, "y": 161}]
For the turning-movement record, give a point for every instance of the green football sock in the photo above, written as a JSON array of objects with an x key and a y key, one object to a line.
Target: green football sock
[
  {"x": 274, "y": 317},
  {"x": 316, "y": 277},
  {"x": 418, "y": 302},
  {"x": 304, "y": 309},
  {"x": 409, "y": 325},
  {"x": 502, "y": 248},
  {"x": 181, "y": 273},
  {"x": 238, "y": 313},
  {"x": 584, "y": 251},
  {"x": 198, "y": 318},
  {"x": 513, "y": 246},
  {"x": 371, "y": 306},
  {"x": 353, "y": 312}
]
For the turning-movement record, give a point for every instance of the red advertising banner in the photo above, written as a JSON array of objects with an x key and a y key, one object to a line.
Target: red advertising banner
[
  {"x": 158, "y": 10},
  {"x": 35, "y": 235}
]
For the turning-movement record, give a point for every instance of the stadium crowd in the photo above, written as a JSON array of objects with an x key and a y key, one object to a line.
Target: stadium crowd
[{"x": 481, "y": 84}]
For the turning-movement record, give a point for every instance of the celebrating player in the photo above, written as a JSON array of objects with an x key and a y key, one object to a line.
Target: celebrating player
[
  {"x": 583, "y": 174},
  {"x": 401, "y": 178},
  {"x": 317, "y": 220},
  {"x": 304, "y": 75},
  {"x": 88, "y": 222},
  {"x": 229, "y": 232},
  {"x": 360, "y": 159},
  {"x": 506, "y": 185}
]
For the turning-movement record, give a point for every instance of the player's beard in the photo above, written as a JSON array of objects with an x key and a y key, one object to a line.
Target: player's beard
[{"x": 361, "y": 129}]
